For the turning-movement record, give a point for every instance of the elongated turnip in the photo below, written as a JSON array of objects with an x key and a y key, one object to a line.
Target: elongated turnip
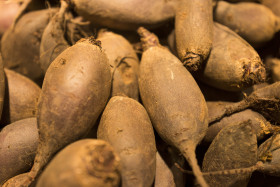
[
  {"x": 126, "y": 125},
  {"x": 173, "y": 100},
  {"x": 74, "y": 93},
  {"x": 254, "y": 22},
  {"x": 194, "y": 32},
  {"x": 126, "y": 15}
]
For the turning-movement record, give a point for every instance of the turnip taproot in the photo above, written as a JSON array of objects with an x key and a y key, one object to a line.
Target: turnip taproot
[
  {"x": 173, "y": 100},
  {"x": 74, "y": 93},
  {"x": 194, "y": 32},
  {"x": 126, "y": 125}
]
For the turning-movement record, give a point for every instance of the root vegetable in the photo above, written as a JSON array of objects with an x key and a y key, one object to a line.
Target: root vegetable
[
  {"x": 126, "y": 125},
  {"x": 274, "y": 5},
  {"x": 84, "y": 163},
  {"x": 173, "y": 100},
  {"x": 21, "y": 98},
  {"x": 233, "y": 64},
  {"x": 20, "y": 45},
  {"x": 254, "y": 22},
  {"x": 126, "y": 15},
  {"x": 235, "y": 146},
  {"x": 194, "y": 32},
  {"x": 74, "y": 93},
  {"x": 53, "y": 41},
  {"x": 124, "y": 63},
  {"x": 18, "y": 144}
]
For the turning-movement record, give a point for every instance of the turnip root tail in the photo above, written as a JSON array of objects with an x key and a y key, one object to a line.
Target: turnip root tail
[
  {"x": 17, "y": 181},
  {"x": 26, "y": 179},
  {"x": 233, "y": 171},
  {"x": 189, "y": 154},
  {"x": 259, "y": 100},
  {"x": 148, "y": 39},
  {"x": 41, "y": 159},
  {"x": 258, "y": 166},
  {"x": 233, "y": 108}
]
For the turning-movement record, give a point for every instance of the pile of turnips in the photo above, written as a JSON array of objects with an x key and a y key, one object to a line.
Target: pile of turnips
[{"x": 139, "y": 93}]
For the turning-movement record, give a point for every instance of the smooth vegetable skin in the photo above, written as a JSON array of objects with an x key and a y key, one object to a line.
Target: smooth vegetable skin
[
  {"x": 167, "y": 173},
  {"x": 273, "y": 5},
  {"x": 235, "y": 146},
  {"x": 164, "y": 176},
  {"x": 21, "y": 97},
  {"x": 194, "y": 32},
  {"x": 85, "y": 163},
  {"x": 18, "y": 144},
  {"x": 124, "y": 64},
  {"x": 126, "y": 125},
  {"x": 254, "y": 22},
  {"x": 233, "y": 64},
  {"x": 171, "y": 157},
  {"x": 8, "y": 11},
  {"x": 125, "y": 15},
  {"x": 2, "y": 85},
  {"x": 74, "y": 93},
  {"x": 20, "y": 45},
  {"x": 173, "y": 100}
]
